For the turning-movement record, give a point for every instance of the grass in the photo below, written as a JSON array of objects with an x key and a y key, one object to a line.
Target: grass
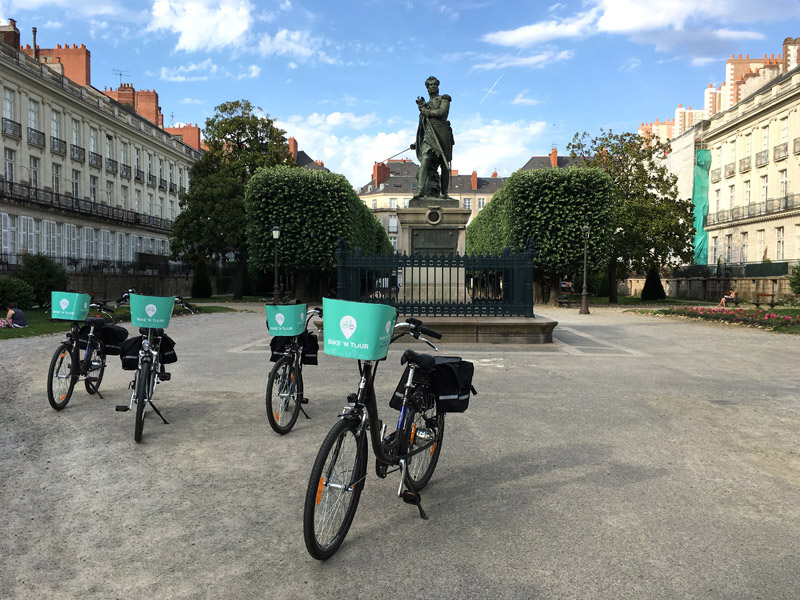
[{"x": 40, "y": 323}]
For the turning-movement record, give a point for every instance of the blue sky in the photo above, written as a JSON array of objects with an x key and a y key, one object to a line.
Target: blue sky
[{"x": 342, "y": 77}]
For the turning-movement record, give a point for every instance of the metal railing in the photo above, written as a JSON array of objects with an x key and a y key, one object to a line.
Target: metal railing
[
  {"x": 162, "y": 184},
  {"x": 138, "y": 175},
  {"x": 111, "y": 165},
  {"x": 36, "y": 137},
  {"x": 744, "y": 164},
  {"x": 715, "y": 175},
  {"x": 12, "y": 128},
  {"x": 95, "y": 160},
  {"x": 77, "y": 153},
  {"x": 780, "y": 151},
  {"x": 730, "y": 170},
  {"x": 125, "y": 171},
  {"x": 58, "y": 146},
  {"x": 145, "y": 264},
  {"x": 797, "y": 145},
  {"x": 47, "y": 198},
  {"x": 151, "y": 180},
  {"x": 734, "y": 270},
  {"x": 766, "y": 207},
  {"x": 440, "y": 285},
  {"x": 762, "y": 158}
]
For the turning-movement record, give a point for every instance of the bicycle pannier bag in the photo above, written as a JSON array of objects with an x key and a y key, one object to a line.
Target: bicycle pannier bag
[
  {"x": 310, "y": 348},
  {"x": 420, "y": 377},
  {"x": 166, "y": 350},
  {"x": 276, "y": 345},
  {"x": 129, "y": 353},
  {"x": 453, "y": 380},
  {"x": 113, "y": 336}
]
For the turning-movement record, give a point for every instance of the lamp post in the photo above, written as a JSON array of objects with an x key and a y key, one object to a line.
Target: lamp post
[
  {"x": 276, "y": 233},
  {"x": 586, "y": 230}
]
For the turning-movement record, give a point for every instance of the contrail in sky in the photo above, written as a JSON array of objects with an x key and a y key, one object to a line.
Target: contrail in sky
[{"x": 491, "y": 88}]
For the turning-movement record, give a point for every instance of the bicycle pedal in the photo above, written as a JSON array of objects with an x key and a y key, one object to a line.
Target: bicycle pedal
[
  {"x": 122, "y": 408},
  {"x": 304, "y": 401},
  {"x": 91, "y": 380},
  {"x": 414, "y": 498},
  {"x": 165, "y": 376}
]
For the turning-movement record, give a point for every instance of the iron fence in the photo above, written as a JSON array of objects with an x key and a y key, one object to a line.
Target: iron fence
[
  {"x": 145, "y": 264},
  {"x": 440, "y": 285}
]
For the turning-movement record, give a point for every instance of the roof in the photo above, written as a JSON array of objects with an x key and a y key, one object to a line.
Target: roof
[
  {"x": 543, "y": 162},
  {"x": 306, "y": 162}
]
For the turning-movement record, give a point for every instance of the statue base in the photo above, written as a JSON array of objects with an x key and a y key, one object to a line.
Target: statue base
[{"x": 440, "y": 201}]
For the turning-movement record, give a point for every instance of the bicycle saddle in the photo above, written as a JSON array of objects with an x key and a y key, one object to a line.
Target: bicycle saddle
[
  {"x": 425, "y": 361},
  {"x": 96, "y": 321}
]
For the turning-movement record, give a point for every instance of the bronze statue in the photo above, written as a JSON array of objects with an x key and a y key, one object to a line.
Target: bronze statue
[{"x": 434, "y": 143}]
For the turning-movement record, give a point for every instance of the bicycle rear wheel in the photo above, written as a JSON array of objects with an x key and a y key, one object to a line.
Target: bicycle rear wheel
[
  {"x": 97, "y": 366},
  {"x": 284, "y": 394},
  {"x": 334, "y": 489},
  {"x": 427, "y": 426},
  {"x": 61, "y": 377},
  {"x": 142, "y": 395}
]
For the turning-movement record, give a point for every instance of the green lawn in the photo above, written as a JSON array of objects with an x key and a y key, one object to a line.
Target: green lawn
[{"x": 637, "y": 300}]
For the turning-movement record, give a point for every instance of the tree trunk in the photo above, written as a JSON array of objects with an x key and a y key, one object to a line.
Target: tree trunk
[
  {"x": 612, "y": 282},
  {"x": 238, "y": 277}
]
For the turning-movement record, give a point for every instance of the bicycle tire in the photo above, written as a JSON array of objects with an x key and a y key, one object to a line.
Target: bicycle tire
[
  {"x": 142, "y": 388},
  {"x": 62, "y": 372},
  {"x": 425, "y": 426},
  {"x": 283, "y": 407},
  {"x": 334, "y": 489},
  {"x": 99, "y": 351}
]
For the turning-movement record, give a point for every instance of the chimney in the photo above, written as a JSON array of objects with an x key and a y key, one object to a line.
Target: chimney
[
  {"x": 380, "y": 173},
  {"x": 494, "y": 174},
  {"x": 320, "y": 163},
  {"x": 35, "y": 48},
  {"x": 293, "y": 148},
  {"x": 453, "y": 172},
  {"x": 10, "y": 34},
  {"x": 474, "y": 180},
  {"x": 554, "y": 157}
]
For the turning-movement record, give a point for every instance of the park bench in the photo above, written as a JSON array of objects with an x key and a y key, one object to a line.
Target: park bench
[{"x": 771, "y": 301}]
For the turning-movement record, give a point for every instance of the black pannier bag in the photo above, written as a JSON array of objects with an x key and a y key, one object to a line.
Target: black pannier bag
[
  {"x": 112, "y": 336},
  {"x": 451, "y": 380},
  {"x": 307, "y": 340},
  {"x": 129, "y": 353},
  {"x": 166, "y": 350}
]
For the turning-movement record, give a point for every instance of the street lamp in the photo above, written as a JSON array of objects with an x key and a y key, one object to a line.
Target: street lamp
[
  {"x": 586, "y": 230},
  {"x": 276, "y": 233}
]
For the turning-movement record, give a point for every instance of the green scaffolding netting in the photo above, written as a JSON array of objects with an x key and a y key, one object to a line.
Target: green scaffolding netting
[{"x": 702, "y": 164}]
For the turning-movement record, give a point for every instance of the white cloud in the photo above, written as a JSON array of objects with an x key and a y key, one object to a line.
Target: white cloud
[
  {"x": 296, "y": 45},
  {"x": 544, "y": 31},
  {"x": 631, "y": 64},
  {"x": 53, "y": 25},
  {"x": 191, "y": 101},
  {"x": 191, "y": 72},
  {"x": 537, "y": 61},
  {"x": 203, "y": 24},
  {"x": 702, "y": 61},
  {"x": 523, "y": 100},
  {"x": 252, "y": 72}
]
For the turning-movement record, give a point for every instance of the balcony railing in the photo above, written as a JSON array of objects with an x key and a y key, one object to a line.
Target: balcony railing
[
  {"x": 762, "y": 158},
  {"x": 182, "y": 189},
  {"x": 36, "y": 137},
  {"x": 730, "y": 170},
  {"x": 111, "y": 165},
  {"x": 95, "y": 160},
  {"x": 797, "y": 145},
  {"x": 162, "y": 184},
  {"x": 765, "y": 207},
  {"x": 780, "y": 151},
  {"x": 77, "y": 153},
  {"x": 173, "y": 189},
  {"x": 138, "y": 175},
  {"x": 145, "y": 264},
  {"x": 744, "y": 165},
  {"x": 151, "y": 180},
  {"x": 716, "y": 175},
  {"x": 57, "y": 146},
  {"x": 125, "y": 170},
  {"x": 12, "y": 128}
]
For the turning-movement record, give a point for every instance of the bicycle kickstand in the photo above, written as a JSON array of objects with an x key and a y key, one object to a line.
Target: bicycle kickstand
[
  {"x": 409, "y": 496},
  {"x": 93, "y": 384},
  {"x": 158, "y": 412}
]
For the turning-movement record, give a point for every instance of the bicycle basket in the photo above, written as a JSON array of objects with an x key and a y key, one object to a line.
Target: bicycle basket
[
  {"x": 69, "y": 307},
  {"x": 151, "y": 311},
  {"x": 357, "y": 329},
  {"x": 289, "y": 319}
]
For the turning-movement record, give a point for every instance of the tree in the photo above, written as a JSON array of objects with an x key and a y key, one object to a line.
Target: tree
[
  {"x": 211, "y": 225},
  {"x": 44, "y": 275},
  {"x": 652, "y": 228},
  {"x": 548, "y": 206}
]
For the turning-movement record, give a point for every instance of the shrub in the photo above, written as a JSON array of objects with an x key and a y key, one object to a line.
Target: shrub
[
  {"x": 653, "y": 290},
  {"x": 794, "y": 280},
  {"x": 44, "y": 275},
  {"x": 13, "y": 289},
  {"x": 201, "y": 281}
]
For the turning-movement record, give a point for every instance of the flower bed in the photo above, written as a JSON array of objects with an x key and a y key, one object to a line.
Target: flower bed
[{"x": 750, "y": 317}]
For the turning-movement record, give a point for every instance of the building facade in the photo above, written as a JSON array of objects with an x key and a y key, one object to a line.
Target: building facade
[{"x": 85, "y": 178}]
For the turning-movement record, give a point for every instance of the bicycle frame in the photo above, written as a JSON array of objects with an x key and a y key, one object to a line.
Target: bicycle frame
[
  {"x": 148, "y": 354},
  {"x": 73, "y": 339}
]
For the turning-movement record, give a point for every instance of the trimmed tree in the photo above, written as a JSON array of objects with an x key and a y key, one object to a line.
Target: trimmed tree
[
  {"x": 652, "y": 227},
  {"x": 44, "y": 275}
]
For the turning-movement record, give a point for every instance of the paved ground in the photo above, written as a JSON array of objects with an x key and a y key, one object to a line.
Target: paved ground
[{"x": 636, "y": 457}]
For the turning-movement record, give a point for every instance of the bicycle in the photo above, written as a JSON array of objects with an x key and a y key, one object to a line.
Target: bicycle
[
  {"x": 284, "y": 398},
  {"x": 148, "y": 352},
  {"x": 86, "y": 333},
  {"x": 339, "y": 472}
]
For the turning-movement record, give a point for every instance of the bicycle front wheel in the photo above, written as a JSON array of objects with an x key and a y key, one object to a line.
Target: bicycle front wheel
[
  {"x": 334, "y": 489},
  {"x": 284, "y": 394},
  {"x": 142, "y": 396},
  {"x": 61, "y": 377},
  {"x": 97, "y": 366},
  {"x": 427, "y": 427}
]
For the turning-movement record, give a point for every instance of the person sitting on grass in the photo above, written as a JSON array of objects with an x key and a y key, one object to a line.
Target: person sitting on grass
[
  {"x": 15, "y": 318},
  {"x": 729, "y": 297}
]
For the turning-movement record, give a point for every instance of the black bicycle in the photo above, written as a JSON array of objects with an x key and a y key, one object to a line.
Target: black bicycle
[
  {"x": 96, "y": 340},
  {"x": 285, "y": 398},
  {"x": 147, "y": 354},
  {"x": 430, "y": 387}
]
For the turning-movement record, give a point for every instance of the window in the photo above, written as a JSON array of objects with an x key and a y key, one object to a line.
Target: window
[
  {"x": 93, "y": 188},
  {"x": 9, "y": 246},
  {"x": 123, "y": 153},
  {"x": 76, "y": 132},
  {"x": 714, "y": 249},
  {"x": 797, "y": 241},
  {"x": 9, "y": 164},
  {"x": 88, "y": 243},
  {"x": 783, "y": 183},
  {"x": 374, "y": 204},
  {"x": 160, "y": 169},
  {"x": 51, "y": 239},
  {"x": 138, "y": 160},
  {"x": 764, "y": 188},
  {"x": 716, "y": 200},
  {"x": 125, "y": 197},
  {"x": 149, "y": 164},
  {"x": 33, "y": 114},
  {"x": 779, "y": 243},
  {"x": 392, "y": 224},
  {"x": 748, "y": 147},
  {"x": 392, "y": 203},
  {"x": 732, "y": 195},
  {"x": 133, "y": 246},
  {"x": 138, "y": 197},
  {"x": 76, "y": 183},
  {"x": 110, "y": 193},
  {"x": 762, "y": 249},
  {"x": 9, "y": 104},
  {"x": 27, "y": 235},
  {"x": 171, "y": 173},
  {"x": 105, "y": 246},
  {"x": 55, "y": 124},
  {"x": 481, "y": 203},
  {"x": 784, "y": 130},
  {"x": 72, "y": 241},
  {"x": 743, "y": 247},
  {"x": 172, "y": 210},
  {"x": 57, "y": 178},
  {"x": 120, "y": 246},
  {"x": 34, "y": 171},
  {"x": 747, "y": 193},
  {"x": 729, "y": 248},
  {"x": 765, "y": 137},
  {"x": 406, "y": 202},
  {"x": 468, "y": 203},
  {"x": 93, "y": 140},
  {"x": 109, "y": 147},
  {"x": 149, "y": 205},
  {"x": 393, "y": 240}
]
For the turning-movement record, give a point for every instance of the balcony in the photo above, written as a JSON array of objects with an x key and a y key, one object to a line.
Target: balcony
[
  {"x": 162, "y": 184},
  {"x": 765, "y": 207},
  {"x": 138, "y": 175},
  {"x": 716, "y": 175},
  {"x": 151, "y": 180},
  {"x": 797, "y": 145},
  {"x": 730, "y": 170},
  {"x": 77, "y": 153},
  {"x": 744, "y": 165},
  {"x": 58, "y": 146},
  {"x": 173, "y": 188},
  {"x": 762, "y": 158},
  {"x": 36, "y": 137},
  {"x": 182, "y": 190},
  {"x": 95, "y": 160},
  {"x": 780, "y": 151},
  {"x": 12, "y": 128},
  {"x": 125, "y": 171},
  {"x": 111, "y": 166}
]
